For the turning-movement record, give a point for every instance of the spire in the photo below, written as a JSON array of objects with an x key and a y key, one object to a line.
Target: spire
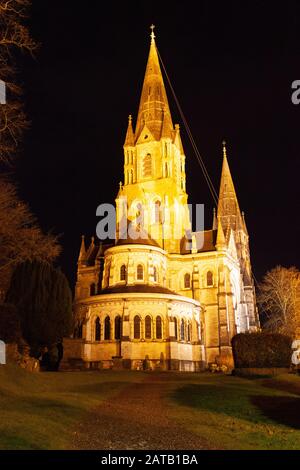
[
  {"x": 228, "y": 206},
  {"x": 129, "y": 140},
  {"x": 215, "y": 220},
  {"x": 221, "y": 240},
  {"x": 82, "y": 253},
  {"x": 154, "y": 107}
]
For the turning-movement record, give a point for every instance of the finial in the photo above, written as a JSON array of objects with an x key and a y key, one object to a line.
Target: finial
[
  {"x": 120, "y": 185},
  {"x": 130, "y": 118},
  {"x": 224, "y": 148},
  {"x": 152, "y": 35}
]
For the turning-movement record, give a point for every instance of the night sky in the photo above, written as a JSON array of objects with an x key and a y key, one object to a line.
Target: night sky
[{"x": 232, "y": 67}]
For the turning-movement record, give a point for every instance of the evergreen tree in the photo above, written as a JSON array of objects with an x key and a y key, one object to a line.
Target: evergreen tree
[{"x": 43, "y": 298}]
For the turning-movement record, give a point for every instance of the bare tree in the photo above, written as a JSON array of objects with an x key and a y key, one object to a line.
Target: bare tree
[
  {"x": 14, "y": 36},
  {"x": 279, "y": 300},
  {"x": 21, "y": 238}
]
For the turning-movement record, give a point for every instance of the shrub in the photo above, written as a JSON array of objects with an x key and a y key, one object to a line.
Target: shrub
[
  {"x": 261, "y": 350},
  {"x": 10, "y": 329}
]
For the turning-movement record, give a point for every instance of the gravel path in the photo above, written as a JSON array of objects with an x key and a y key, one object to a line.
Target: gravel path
[{"x": 137, "y": 419}]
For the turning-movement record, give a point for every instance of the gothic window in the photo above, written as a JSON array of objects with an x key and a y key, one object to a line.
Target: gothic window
[
  {"x": 147, "y": 166},
  {"x": 166, "y": 170},
  {"x": 97, "y": 330},
  {"x": 118, "y": 327},
  {"x": 148, "y": 327},
  {"x": 92, "y": 289},
  {"x": 187, "y": 280},
  {"x": 137, "y": 327},
  {"x": 209, "y": 279},
  {"x": 182, "y": 335},
  {"x": 189, "y": 331},
  {"x": 123, "y": 273},
  {"x": 140, "y": 272},
  {"x": 155, "y": 274},
  {"x": 107, "y": 328},
  {"x": 157, "y": 212},
  {"x": 175, "y": 327},
  {"x": 158, "y": 328}
]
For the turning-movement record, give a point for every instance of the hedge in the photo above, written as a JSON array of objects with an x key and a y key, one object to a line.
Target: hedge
[{"x": 261, "y": 350}]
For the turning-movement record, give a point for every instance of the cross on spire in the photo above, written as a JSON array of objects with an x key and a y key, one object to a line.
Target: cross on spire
[{"x": 152, "y": 35}]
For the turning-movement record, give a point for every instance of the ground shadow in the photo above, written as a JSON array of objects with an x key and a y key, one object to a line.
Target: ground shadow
[{"x": 282, "y": 409}]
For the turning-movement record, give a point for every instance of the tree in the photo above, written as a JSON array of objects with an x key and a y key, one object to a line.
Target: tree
[
  {"x": 43, "y": 298},
  {"x": 14, "y": 37},
  {"x": 279, "y": 300},
  {"x": 10, "y": 328},
  {"x": 21, "y": 238}
]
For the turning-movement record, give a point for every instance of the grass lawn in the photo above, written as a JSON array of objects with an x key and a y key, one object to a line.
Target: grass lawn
[
  {"x": 41, "y": 411},
  {"x": 236, "y": 413}
]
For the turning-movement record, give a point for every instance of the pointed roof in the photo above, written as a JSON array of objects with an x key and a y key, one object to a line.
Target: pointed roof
[
  {"x": 129, "y": 140},
  {"x": 154, "y": 107},
  {"x": 228, "y": 206},
  {"x": 177, "y": 139},
  {"x": 215, "y": 220},
  {"x": 221, "y": 240},
  {"x": 82, "y": 253}
]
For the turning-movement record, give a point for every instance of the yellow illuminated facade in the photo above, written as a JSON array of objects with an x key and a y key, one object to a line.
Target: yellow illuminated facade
[{"x": 163, "y": 296}]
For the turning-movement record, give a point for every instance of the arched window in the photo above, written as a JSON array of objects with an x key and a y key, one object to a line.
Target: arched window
[
  {"x": 107, "y": 328},
  {"x": 137, "y": 327},
  {"x": 93, "y": 289},
  {"x": 175, "y": 327},
  {"x": 158, "y": 328},
  {"x": 147, "y": 166},
  {"x": 148, "y": 327},
  {"x": 118, "y": 327},
  {"x": 140, "y": 272},
  {"x": 209, "y": 278},
  {"x": 187, "y": 280},
  {"x": 166, "y": 170},
  {"x": 189, "y": 331},
  {"x": 157, "y": 212},
  {"x": 182, "y": 335},
  {"x": 155, "y": 274},
  {"x": 123, "y": 273},
  {"x": 97, "y": 330}
]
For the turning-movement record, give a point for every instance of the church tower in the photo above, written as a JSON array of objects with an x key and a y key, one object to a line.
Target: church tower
[{"x": 153, "y": 195}]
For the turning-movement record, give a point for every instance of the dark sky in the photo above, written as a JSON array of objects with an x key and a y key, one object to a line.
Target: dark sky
[{"x": 232, "y": 66}]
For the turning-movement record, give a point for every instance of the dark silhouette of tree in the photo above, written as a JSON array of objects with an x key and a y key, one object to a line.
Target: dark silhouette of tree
[{"x": 43, "y": 298}]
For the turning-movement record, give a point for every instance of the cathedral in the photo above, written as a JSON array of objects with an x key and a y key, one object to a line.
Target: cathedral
[{"x": 162, "y": 296}]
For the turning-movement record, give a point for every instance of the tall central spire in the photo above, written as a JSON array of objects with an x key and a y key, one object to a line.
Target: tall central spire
[{"x": 154, "y": 111}]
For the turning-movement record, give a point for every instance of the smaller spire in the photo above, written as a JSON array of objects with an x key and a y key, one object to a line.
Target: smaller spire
[
  {"x": 244, "y": 222},
  {"x": 215, "y": 220},
  {"x": 82, "y": 253},
  {"x": 129, "y": 139},
  {"x": 221, "y": 240}
]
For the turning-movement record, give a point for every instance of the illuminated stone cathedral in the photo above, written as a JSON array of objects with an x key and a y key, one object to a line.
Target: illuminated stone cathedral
[{"x": 170, "y": 298}]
